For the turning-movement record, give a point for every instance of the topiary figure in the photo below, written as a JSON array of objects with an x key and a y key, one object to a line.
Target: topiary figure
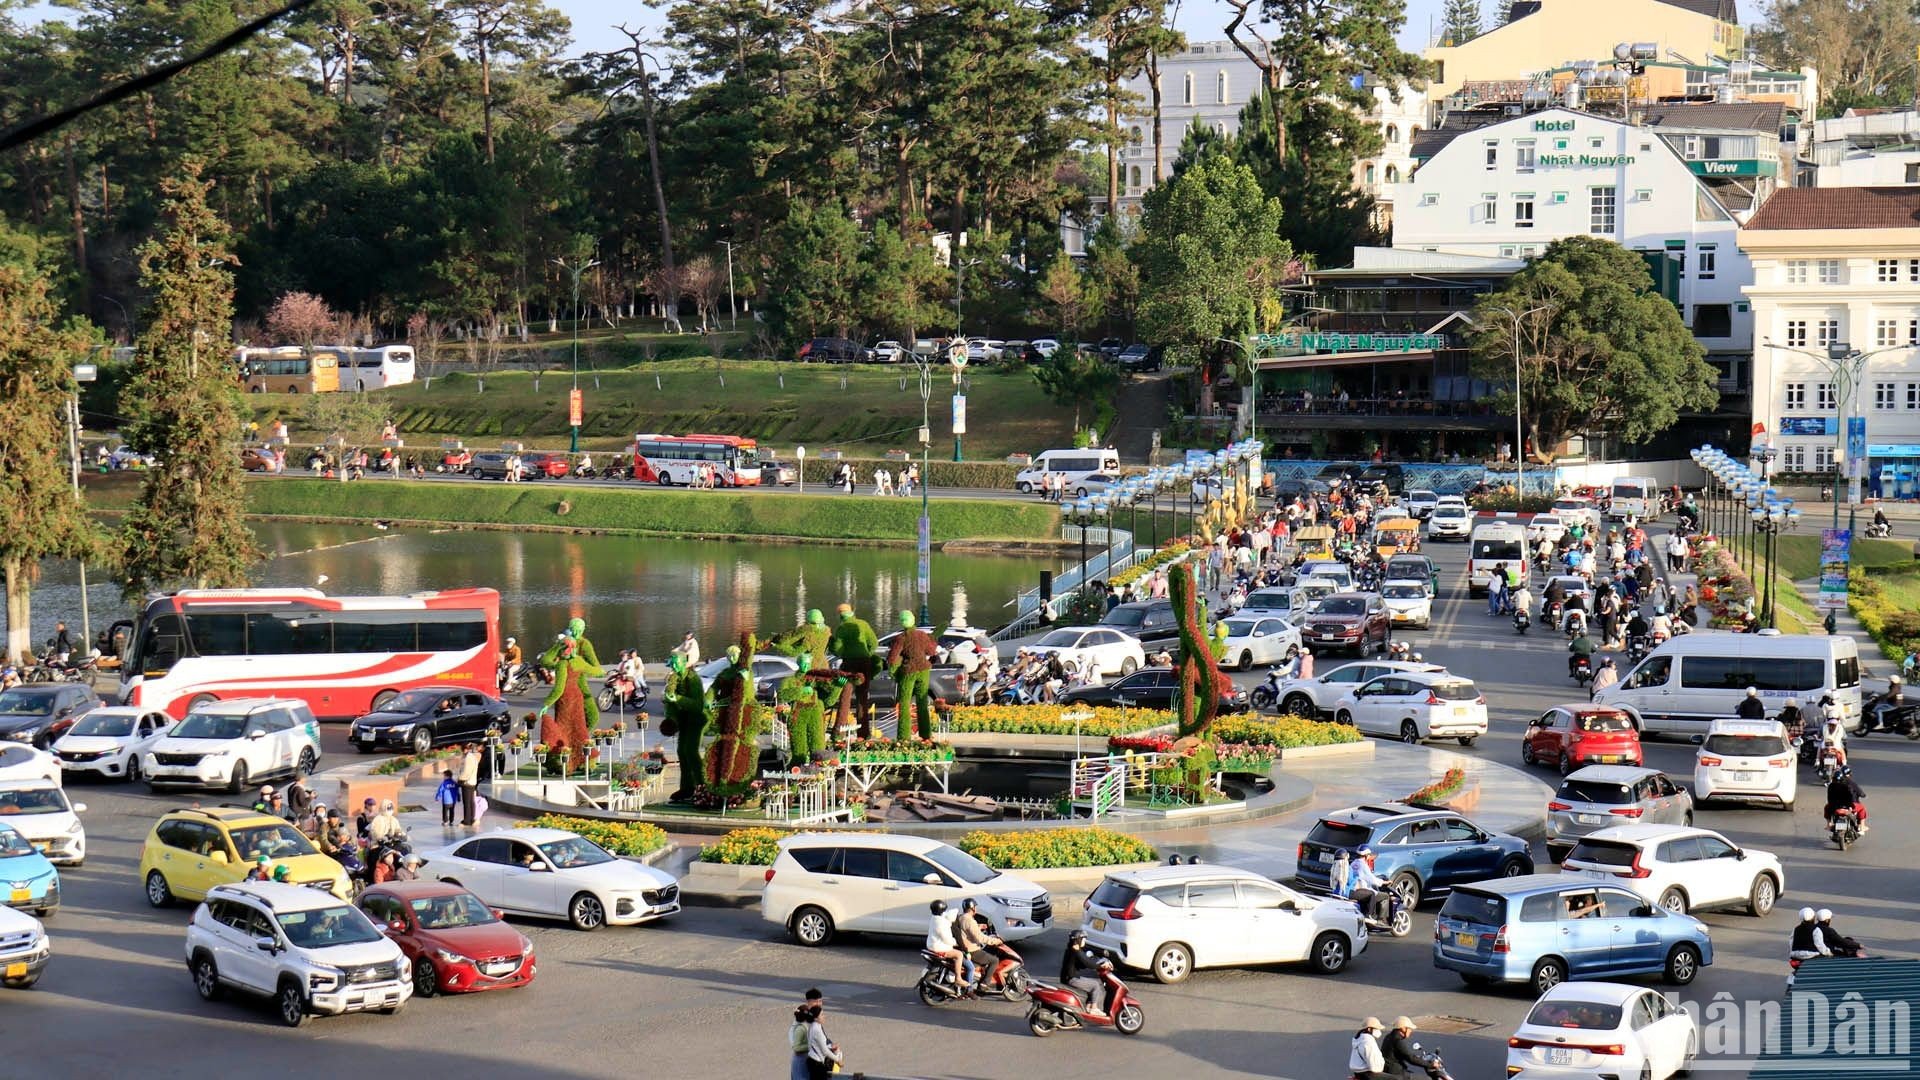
[
  {"x": 687, "y": 714},
  {"x": 910, "y": 662},
  {"x": 1200, "y": 679},
  {"x": 567, "y": 714},
  {"x": 808, "y": 639},
  {"x": 733, "y": 756},
  {"x": 806, "y": 714}
]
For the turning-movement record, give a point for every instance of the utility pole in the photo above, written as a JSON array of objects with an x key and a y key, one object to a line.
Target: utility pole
[
  {"x": 733, "y": 305},
  {"x": 573, "y": 396},
  {"x": 82, "y": 373}
]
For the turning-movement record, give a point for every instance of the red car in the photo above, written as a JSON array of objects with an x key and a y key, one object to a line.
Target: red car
[
  {"x": 1347, "y": 621},
  {"x": 1574, "y": 735},
  {"x": 455, "y": 461},
  {"x": 457, "y": 944},
  {"x": 551, "y": 466}
]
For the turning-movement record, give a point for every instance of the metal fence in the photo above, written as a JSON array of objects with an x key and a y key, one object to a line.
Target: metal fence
[{"x": 1026, "y": 606}]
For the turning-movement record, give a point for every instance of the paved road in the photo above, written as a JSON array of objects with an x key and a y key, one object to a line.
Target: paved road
[{"x": 707, "y": 994}]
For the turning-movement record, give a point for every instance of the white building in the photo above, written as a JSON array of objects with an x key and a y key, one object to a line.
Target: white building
[
  {"x": 1508, "y": 188},
  {"x": 1400, "y": 122},
  {"x": 1860, "y": 148},
  {"x": 1208, "y": 83},
  {"x": 1838, "y": 266}
]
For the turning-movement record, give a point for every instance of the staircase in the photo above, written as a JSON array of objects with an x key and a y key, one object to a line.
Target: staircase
[{"x": 1140, "y": 409}]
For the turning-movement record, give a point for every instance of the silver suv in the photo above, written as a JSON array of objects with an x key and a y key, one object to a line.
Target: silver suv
[
  {"x": 305, "y": 949},
  {"x": 1599, "y": 797}
]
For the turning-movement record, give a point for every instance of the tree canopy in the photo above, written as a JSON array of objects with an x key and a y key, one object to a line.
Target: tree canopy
[{"x": 1210, "y": 253}]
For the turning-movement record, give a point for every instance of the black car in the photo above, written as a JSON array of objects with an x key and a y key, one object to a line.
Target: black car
[
  {"x": 419, "y": 720},
  {"x": 1391, "y": 477},
  {"x": 1341, "y": 472},
  {"x": 1151, "y": 621},
  {"x": 41, "y": 714},
  {"x": 1148, "y": 688},
  {"x": 1294, "y": 487},
  {"x": 833, "y": 350},
  {"x": 1142, "y": 357}
]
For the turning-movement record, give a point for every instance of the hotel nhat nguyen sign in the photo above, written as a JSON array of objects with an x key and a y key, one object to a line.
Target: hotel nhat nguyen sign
[
  {"x": 1267, "y": 343},
  {"x": 1574, "y": 161}
]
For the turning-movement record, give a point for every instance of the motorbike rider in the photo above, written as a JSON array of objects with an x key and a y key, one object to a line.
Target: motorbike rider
[
  {"x": 1080, "y": 968},
  {"x": 1366, "y": 887},
  {"x": 510, "y": 658},
  {"x": 1367, "y": 1062},
  {"x": 1637, "y": 626},
  {"x": 1398, "y": 1049},
  {"x": 940, "y": 942},
  {"x": 1790, "y": 717},
  {"x": 1581, "y": 647},
  {"x": 1751, "y": 707},
  {"x": 1880, "y": 523},
  {"x": 1843, "y": 792},
  {"x": 1890, "y": 701},
  {"x": 1523, "y": 599},
  {"x": 975, "y": 935},
  {"x": 1605, "y": 675},
  {"x": 1833, "y": 941}
]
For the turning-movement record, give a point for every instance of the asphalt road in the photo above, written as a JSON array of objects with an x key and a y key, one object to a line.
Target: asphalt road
[{"x": 708, "y": 993}]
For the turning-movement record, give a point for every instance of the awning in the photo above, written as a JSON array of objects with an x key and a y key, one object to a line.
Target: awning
[{"x": 1324, "y": 360}]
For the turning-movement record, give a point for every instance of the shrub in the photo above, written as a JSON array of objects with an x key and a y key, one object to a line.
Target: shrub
[
  {"x": 1046, "y": 720},
  {"x": 1450, "y": 784},
  {"x": 745, "y": 847},
  {"x": 1158, "y": 559},
  {"x": 1042, "y": 849},
  {"x": 1282, "y": 732},
  {"x": 630, "y": 838}
]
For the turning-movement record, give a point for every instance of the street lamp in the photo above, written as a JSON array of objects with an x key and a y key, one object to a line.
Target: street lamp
[
  {"x": 573, "y": 397},
  {"x": 800, "y": 470},
  {"x": 82, "y": 373},
  {"x": 926, "y": 460},
  {"x": 1519, "y": 443},
  {"x": 1771, "y": 519},
  {"x": 1082, "y": 514}
]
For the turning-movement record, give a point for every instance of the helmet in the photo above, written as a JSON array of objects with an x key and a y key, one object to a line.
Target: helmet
[
  {"x": 938, "y": 907},
  {"x": 1077, "y": 938},
  {"x": 1893, "y": 680},
  {"x": 510, "y": 641},
  {"x": 1826, "y": 914},
  {"x": 1364, "y": 852},
  {"x": 1806, "y": 914},
  {"x": 969, "y": 904},
  {"x": 1751, "y": 692},
  {"x": 281, "y": 873},
  {"x": 1845, "y": 773}
]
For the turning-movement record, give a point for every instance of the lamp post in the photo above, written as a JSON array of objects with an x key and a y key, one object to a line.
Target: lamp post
[
  {"x": 926, "y": 522},
  {"x": 82, "y": 373},
  {"x": 1519, "y": 441},
  {"x": 578, "y": 268},
  {"x": 800, "y": 470},
  {"x": 733, "y": 305},
  {"x": 1771, "y": 518}
]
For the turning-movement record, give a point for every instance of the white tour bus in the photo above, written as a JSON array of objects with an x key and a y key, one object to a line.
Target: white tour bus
[
  {"x": 1076, "y": 464},
  {"x": 1638, "y": 496},
  {"x": 1494, "y": 543},
  {"x": 374, "y": 369},
  {"x": 1689, "y": 682}
]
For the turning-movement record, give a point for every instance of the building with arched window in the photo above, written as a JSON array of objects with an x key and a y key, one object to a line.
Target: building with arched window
[{"x": 1397, "y": 121}]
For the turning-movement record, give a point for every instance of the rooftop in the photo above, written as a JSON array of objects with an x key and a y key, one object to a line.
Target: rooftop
[
  {"x": 1763, "y": 116},
  {"x": 1840, "y": 208}
]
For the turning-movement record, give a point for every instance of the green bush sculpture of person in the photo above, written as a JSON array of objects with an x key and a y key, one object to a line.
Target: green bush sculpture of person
[
  {"x": 910, "y": 660},
  {"x": 687, "y": 713},
  {"x": 810, "y": 638},
  {"x": 856, "y": 645},
  {"x": 734, "y": 753},
  {"x": 806, "y": 713},
  {"x": 564, "y": 715},
  {"x": 582, "y": 650}
]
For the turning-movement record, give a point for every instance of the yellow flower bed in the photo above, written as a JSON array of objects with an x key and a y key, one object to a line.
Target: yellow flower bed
[
  {"x": 1041, "y": 849},
  {"x": 1046, "y": 720},
  {"x": 632, "y": 838},
  {"x": 745, "y": 847}
]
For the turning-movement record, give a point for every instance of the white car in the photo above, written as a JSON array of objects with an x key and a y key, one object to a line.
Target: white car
[
  {"x": 1171, "y": 920},
  {"x": 1265, "y": 641},
  {"x": 1332, "y": 571},
  {"x": 1109, "y": 651},
  {"x": 1748, "y": 760},
  {"x": 1449, "y": 522},
  {"x": 1315, "y": 696},
  {"x": 306, "y": 950},
  {"x": 768, "y": 669},
  {"x": 1587, "y": 1029},
  {"x": 1416, "y": 705},
  {"x": 39, "y": 811},
  {"x": 1420, "y": 502},
  {"x": 1391, "y": 513},
  {"x": 109, "y": 741},
  {"x": 1545, "y": 527},
  {"x": 21, "y": 761},
  {"x": 1679, "y": 867},
  {"x": 235, "y": 743},
  {"x": 1280, "y": 602},
  {"x": 884, "y": 883},
  {"x": 552, "y": 873},
  {"x": 1450, "y": 500},
  {"x": 889, "y": 352},
  {"x": 24, "y": 949},
  {"x": 1045, "y": 346},
  {"x": 1573, "y": 511},
  {"x": 1409, "y": 603}
]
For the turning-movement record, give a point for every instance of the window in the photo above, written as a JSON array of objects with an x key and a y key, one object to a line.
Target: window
[
  {"x": 1734, "y": 673},
  {"x": 1825, "y": 398},
  {"x": 908, "y": 868},
  {"x": 1507, "y": 251},
  {"x": 1829, "y": 271},
  {"x": 1211, "y": 894},
  {"x": 1429, "y": 199},
  {"x": 1913, "y": 395},
  {"x": 1913, "y": 269},
  {"x": 1523, "y": 155},
  {"x": 1490, "y": 208},
  {"x": 1186, "y": 90},
  {"x": 864, "y": 862},
  {"x": 1913, "y": 331},
  {"x": 1523, "y": 212},
  {"x": 1797, "y": 333},
  {"x": 1885, "y": 332},
  {"x": 1796, "y": 395},
  {"x": 1828, "y": 332},
  {"x": 1796, "y": 271},
  {"x": 1601, "y": 210},
  {"x": 1393, "y": 133},
  {"x": 1393, "y": 174},
  {"x": 1225, "y": 96},
  {"x": 1136, "y": 176},
  {"x": 1713, "y": 320},
  {"x": 1823, "y": 458},
  {"x": 1709, "y": 261},
  {"x": 1595, "y": 142},
  {"x": 1369, "y": 172},
  {"x": 1883, "y": 395},
  {"x": 218, "y": 635},
  {"x": 1886, "y": 269},
  {"x": 1793, "y": 458},
  {"x": 1493, "y": 155}
]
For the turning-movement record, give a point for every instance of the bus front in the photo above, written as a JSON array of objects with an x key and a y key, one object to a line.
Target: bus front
[{"x": 744, "y": 461}]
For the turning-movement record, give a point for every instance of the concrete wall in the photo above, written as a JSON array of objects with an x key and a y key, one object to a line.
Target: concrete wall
[{"x": 1565, "y": 30}]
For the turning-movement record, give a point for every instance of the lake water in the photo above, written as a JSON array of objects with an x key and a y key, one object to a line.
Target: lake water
[{"x": 634, "y": 592}]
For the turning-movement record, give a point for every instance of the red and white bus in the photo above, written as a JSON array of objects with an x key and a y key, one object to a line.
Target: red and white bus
[
  {"x": 676, "y": 459},
  {"x": 342, "y": 655}
]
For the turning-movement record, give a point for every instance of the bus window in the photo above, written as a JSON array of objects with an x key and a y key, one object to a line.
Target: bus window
[
  {"x": 452, "y": 634},
  {"x": 218, "y": 635},
  {"x": 363, "y": 637},
  {"x": 161, "y": 646},
  {"x": 270, "y": 635}
]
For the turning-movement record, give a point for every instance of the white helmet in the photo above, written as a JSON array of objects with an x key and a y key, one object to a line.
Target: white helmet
[
  {"x": 1751, "y": 692},
  {"x": 1826, "y": 914},
  {"x": 1806, "y": 914}
]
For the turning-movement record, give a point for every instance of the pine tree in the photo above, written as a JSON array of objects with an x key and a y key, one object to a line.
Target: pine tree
[
  {"x": 1461, "y": 21},
  {"x": 184, "y": 407},
  {"x": 40, "y": 516}
]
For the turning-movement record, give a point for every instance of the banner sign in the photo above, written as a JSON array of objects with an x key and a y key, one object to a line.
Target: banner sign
[
  {"x": 573, "y": 408},
  {"x": 1349, "y": 342},
  {"x": 1834, "y": 544}
]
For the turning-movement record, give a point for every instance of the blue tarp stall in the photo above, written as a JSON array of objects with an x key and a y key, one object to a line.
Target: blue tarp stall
[{"x": 1849, "y": 1018}]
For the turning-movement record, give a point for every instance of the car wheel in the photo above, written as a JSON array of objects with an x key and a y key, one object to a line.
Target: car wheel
[
  {"x": 1408, "y": 887},
  {"x": 422, "y": 741},
  {"x": 1674, "y": 900},
  {"x": 1330, "y": 953},
  {"x": 291, "y": 1003},
  {"x": 200, "y": 701},
  {"x": 307, "y": 761},
  {"x": 586, "y": 912},
  {"x": 1172, "y": 963},
  {"x": 1547, "y": 974},
  {"x": 1409, "y": 732},
  {"x": 206, "y": 978},
  {"x": 1761, "y": 897},
  {"x": 1343, "y": 717},
  {"x": 159, "y": 893},
  {"x": 1300, "y": 705},
  {"x": 1683, "y": 963},
  {"x": 133, "y": 768},
  {"x": 811, "y": 927},
  {"x": 1567, "y": 762},
  {"x": 1023, "y": 488},
  {"x": 239, "y": 778},
  {"x": 1527, "y": 756},
  {"x": 1128, "y": 667},
  {"x": 1467, "y": 740},
  {"x": 1515, "y": 866},
  {"x": 426, "y": 978},
  {"x": 1246, "y": 660},
  {"x": 382, "y": 699}
]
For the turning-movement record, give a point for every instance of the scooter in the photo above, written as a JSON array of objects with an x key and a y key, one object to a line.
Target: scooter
[
  {"x": 1898, "y": 721},
  {"x": 1638, "y": 645},
  {"x": 1844, "y": 829},
  {"x": 1828, "y": 766},
  {"x": 1399, "y": 920},
  {"x": 514, "y": 679},
  {"x": 1059, "y": 1008},
  {"x": 936, "y": 986},
  {"x": 1521, "y": 620},
  {"x": 1266, "y": 696},
  {"x": 620, "y": 692},
  {"x": 1583, "y": 669},
  {"x": 1435, "y": 1066},
  {"x": 1879, "y": 530}
]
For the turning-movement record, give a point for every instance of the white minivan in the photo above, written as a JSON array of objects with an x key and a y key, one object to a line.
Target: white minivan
[
  {"x": 1687, "y": 683},
  {"x": 823, "y": 883},
  {"x": 1635, "y": 496},
  {"x": 1077, "y": 465},
  {"x": 1490, "y": 546}
]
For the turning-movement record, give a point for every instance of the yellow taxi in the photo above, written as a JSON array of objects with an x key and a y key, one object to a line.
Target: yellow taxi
[{"x": 190, "y": 851}]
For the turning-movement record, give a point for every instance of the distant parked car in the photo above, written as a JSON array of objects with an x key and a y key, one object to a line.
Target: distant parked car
[
  {"x": 260, "y": 459},
  {"x": 1148, "y": 688},
  {"x": 1045, "y": 346},
  {"x": 1109, "y": 651},
  {"x": 832, "y": 350},
  {"x": 888, "y": 352},
  {"x": 784, "y": 473},
  {"x": 1112, "y": 347},
  {"x": 1141, "y": 357},
  {"x": 550, "y": 466}
]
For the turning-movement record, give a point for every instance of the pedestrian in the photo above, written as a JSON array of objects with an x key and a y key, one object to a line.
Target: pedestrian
[
  {"x": 447, "y": 794},
  {"x": 300, "y": 801},
  {"x": 797, "y": 1033},
  {"x": 823, "y": 1054},
  {"x": 1677, "y": 550},
  {"x": 688, "y": 650},
  {"x": 1497, "y": 590}
]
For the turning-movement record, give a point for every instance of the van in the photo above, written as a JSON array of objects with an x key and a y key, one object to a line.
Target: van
[
  {"x": 1687, "y": 683},
  {"x": 1077, "y": 465},
  {"x": 1638, "y": 496},
  {"x": 823, "y": 883},
  {"x": 1489, "y": 546}
]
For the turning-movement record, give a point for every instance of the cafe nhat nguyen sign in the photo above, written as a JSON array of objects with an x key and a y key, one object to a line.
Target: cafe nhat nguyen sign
[{"x": 1349, "y": 342}]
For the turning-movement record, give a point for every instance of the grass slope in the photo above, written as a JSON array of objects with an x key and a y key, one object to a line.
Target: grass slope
[{"x": 1798, "y": 554}]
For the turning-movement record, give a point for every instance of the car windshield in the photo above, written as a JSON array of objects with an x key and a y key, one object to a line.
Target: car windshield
[
  {"x": 1343, "y": 605},
  {"x": 13, "y": 845},
  {"x": 1421, "y": 496},
  {"x": 209, "y": 726},
  {"x": 1403, "y": 592},
  {"x": 1581, "y": 1015},
  {"x": 1125, "y": 616},
  {"x": 1240, "y": 627},
  {"x": 1603, "y": 722},
  {"x": 413, "y": 701},
  {"x": 32, "y": 801},
  {"x": 1745, "y": 745},
  {"x": 1270, "y": 600},
  {"x": 1460, "y": 690},
  {"x": 1060, "y": 639},
  {"x": 574, "y": 852},
  {"x": 1594, "y": 791},
  {"x": 447, "y": 912},
  {"x": 270, "y": 841},
  {"x": 19, "y": 702},
  {"x": 1547, "y": 520},
  {"x": 103, "y": 723},
  {"x": 962, "y": 865},
  {"x": 1450, "y": 511},
  {"x": 326, "y": 927}
]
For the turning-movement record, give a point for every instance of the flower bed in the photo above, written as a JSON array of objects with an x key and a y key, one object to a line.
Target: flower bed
[
  {"x": 1046, "y": 720},
  {"x": 408, "y": 762},
  {"x": 630, "y": 838},
  {"x": 1450, "y": 785},
  {"x": 1042, "y": 849},
  {"x": 1724, "y": 588},
  {"x": 895, "y": 752},
  {"x": 745, "y": 847},
  {"x": 1246, "y": 735},
  {"x": 1158, "y": 559}
]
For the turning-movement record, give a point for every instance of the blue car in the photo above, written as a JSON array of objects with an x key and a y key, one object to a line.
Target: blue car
[
  {"x": 30, "y": 882},
  {"x": 1543, "y": 929},
  {"x": 1421, "y": 852}
]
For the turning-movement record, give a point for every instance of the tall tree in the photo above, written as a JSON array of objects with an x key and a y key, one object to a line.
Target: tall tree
[
  {"x": 498, "y": 30},
  {"x": 183, "y": 405},
  {"x": 1210, "y": 254},
  {"x": 40, "y": 515},
  {"x": 1167, "y": 42},
  {"x": 1597, "y": 347},
  {"x": 1072, "y": 299},
  {"x": 1863, "y": 49},
  {"x": 902, "y": 284},
  {"x": 1126, "y": 33},
  {"x": 817, "y": 255},
  {"x": 1460, "y": 21}
]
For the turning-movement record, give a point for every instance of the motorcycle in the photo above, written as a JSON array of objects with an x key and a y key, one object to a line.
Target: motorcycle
[
  {"x": 620, "y": 692},
  {"x": 1826, "y": 492},
  {"x": 1521, "y": 620},
  {"x": 1399, "y": 919},
  {"x": 1266, "y": 696},
  {"x": 1060, "y": 1008},
  {"x": 1828, "y": 766},
  {"x": 1583, "y": 669},
  {"x": 1898, "y": 721},
  {"x": 936, "y": 986},
  {"x": 514, "y": 679},
  {"x": 1432, "y": 1062},
  {"x": 1880, "y": 530},
  {"x": 1638, "y": 645},
  {"x": 1844, "y": 829}
]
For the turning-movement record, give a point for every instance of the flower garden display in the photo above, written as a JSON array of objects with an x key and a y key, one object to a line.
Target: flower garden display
[
  {"x": 855, "y": 643},
  {"x": 910, "y": 661}
]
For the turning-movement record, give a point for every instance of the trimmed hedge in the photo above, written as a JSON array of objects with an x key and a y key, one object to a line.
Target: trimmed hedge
[
  {"x": 630, "y": 838},
  {"x": 745, "y": 847},
  {"x": 1280, "y": 732},
  {"x": 1045, "y": 849},
  {"x": 1046, "y": 720},
  {"x": 647, "y": 510}
]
